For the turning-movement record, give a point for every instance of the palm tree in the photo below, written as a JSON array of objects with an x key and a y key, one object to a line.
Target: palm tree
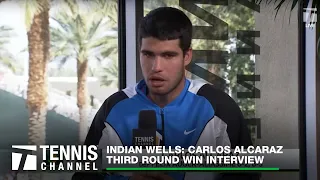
[
  {"x": 37, "y": 26},
  {"x": 80, "y": 35}
]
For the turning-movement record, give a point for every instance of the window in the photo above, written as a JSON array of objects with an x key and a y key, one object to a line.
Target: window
[{"x": 62, "y": 58}]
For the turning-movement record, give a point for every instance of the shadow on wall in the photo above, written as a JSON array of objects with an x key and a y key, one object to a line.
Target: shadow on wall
[{"x": 14, "y": 127}]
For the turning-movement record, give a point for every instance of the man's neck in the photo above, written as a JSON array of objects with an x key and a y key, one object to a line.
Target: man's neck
[
  {"x": 163, "y": 100},
  {"x": 160, "y": 100}
]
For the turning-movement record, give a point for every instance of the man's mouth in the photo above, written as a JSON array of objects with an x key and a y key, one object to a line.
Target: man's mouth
[
  {"x": 156, "y": 78},
  {"x": 156, "y": 81}
]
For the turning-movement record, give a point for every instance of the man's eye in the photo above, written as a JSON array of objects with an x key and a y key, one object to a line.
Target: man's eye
[
  {"x": 168, "y": 56},
  {"x": 147, "y": 54}
]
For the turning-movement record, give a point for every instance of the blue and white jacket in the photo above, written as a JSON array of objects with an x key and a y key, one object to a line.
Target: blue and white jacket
[{"x": 200, "y": 115}]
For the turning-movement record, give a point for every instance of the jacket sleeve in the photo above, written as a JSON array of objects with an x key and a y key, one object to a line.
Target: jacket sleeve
[
  {"x": 244, "y": 138},
  {"x": 95, "y": 134},
  {"x": 237, "y": 128}
]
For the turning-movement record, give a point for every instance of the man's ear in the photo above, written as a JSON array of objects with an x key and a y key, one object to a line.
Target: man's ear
[{"x": 188, "y": 57}]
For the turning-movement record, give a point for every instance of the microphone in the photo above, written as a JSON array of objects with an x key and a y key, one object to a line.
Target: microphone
[{"x": 145, "y": 135}]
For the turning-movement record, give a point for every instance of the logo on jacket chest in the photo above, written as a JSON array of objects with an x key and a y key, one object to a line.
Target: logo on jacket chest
[{"x": 187, "y": 132}]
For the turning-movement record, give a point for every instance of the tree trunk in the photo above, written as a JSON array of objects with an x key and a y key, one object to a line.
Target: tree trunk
[
  {"x": 82, "y": 98},
  {"x": 38, "y": 43},
  {"x": 216, "y": 69}
]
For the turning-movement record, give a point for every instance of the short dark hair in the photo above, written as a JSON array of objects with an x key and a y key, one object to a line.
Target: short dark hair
[{"x": 167, "y": 23}]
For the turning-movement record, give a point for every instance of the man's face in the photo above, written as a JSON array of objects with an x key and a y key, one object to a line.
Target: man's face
[{"x": 163, "y": 64}]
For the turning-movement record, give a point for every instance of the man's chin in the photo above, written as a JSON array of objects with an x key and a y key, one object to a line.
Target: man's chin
[{"x": 158, "y": 90}]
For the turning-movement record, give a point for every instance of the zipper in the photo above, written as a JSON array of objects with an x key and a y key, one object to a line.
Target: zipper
[{"x": 162, "y": 122}]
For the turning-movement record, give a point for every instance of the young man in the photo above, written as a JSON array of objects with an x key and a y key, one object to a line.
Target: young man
[{"x": 188, "y": 112}]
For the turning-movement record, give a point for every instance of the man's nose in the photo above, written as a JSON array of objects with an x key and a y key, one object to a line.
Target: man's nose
[{"x": 157, "y": 64}]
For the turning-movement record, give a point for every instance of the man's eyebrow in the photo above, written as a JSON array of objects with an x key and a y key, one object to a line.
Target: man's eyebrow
[
  {"x": 146, "y": 51},
  {"x": 162, "y": 53},
  {"x": 170, "y": 52}
]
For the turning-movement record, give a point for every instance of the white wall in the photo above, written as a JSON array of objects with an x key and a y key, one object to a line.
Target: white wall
[{"x": 277, "y": 66}]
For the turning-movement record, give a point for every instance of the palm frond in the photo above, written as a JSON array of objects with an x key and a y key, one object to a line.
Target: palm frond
[
  {"x": 280, "y": 3},
  {"x": 5, "y": 29},
  {"x": 58, "y": 51},
  {"x": 107, "y": 46},
  {"x": 9, "y": 61},
  {"x": 105, "y": 41},
  {"x": 63, "y": 61},
  {"x": 108, "y": 9},
  {"x": 6, "y": 58},
  {"x": 109, "y": 75},
  {"x": 109, "y": 51},
  {"x": 72, "y": 4},
  {"x": 81, "y": 27},
  {"x": 5, "y": 34},
  {"x": 61, "y": 22},
  {"x": 32, "y": 7},
  {"x": 93, "y": 29},
  {"x": 81, "y": 35}
]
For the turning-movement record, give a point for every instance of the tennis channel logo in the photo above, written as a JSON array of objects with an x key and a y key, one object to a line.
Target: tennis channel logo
[{"x": 54, "y": 158}]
